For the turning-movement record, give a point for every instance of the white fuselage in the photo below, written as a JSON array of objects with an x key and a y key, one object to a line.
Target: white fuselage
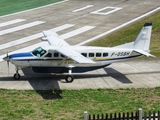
[{"x": 51, "y": 58}]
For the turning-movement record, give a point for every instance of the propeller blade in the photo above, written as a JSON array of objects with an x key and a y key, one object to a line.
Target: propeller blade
[
  {"x": 7, "y": 53},
  {"x": 8, "y": 62},
  {"x": 8, "y": 66}
]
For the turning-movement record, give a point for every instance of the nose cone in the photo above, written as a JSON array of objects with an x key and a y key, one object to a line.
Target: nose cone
[{"x": 7, "y": 58}]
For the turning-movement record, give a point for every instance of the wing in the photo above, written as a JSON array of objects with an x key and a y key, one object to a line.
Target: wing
[
  {"x": 74, "y": 55},
  {"x": 54, "y": 39}
]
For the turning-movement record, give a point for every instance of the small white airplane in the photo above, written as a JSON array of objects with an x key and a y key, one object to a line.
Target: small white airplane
[{"x": 60, "y": 57}]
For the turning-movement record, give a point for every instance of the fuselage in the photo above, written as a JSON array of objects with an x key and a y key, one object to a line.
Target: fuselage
[{"x": 48, "y": 57}]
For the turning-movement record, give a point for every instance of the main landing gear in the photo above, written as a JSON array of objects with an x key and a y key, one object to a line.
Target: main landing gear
[
  {"x": 69, "y": 78},
  {"x": 16, "y": 75}
]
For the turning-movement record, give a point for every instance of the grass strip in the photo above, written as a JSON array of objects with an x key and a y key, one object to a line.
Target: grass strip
[
  {"x": 13, "y": 6},
  {"x": 70, "y": 104}
]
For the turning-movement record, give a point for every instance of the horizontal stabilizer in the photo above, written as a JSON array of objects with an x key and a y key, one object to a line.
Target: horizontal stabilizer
[{"x": 144, "y": 53}]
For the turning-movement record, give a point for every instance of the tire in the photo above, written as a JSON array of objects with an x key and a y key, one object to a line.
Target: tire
[
  {"x": 69, "y": 78},
  {"x": 16, "y": 76}
]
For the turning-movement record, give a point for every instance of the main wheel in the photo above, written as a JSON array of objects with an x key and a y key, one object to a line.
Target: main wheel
[
  {"x": 16, "y": 76},
  {"x": 69, "y": 78}
]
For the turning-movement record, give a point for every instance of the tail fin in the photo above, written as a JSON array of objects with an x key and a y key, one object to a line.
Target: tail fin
[{"x": 143, "y": 40}]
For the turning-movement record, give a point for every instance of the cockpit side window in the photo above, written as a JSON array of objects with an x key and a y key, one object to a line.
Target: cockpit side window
[
  {"x": 48, "y": 55},
  {"x": 39, "y": 52}
]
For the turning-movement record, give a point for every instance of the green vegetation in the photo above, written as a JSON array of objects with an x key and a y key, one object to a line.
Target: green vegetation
[
  {"x": 70, "y": 104},
  {"x": 130, "y": 33},
  {"x": 12, "y": 6}
]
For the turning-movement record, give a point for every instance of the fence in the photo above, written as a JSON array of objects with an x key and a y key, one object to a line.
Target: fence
[{"x": 124, "y": 116}]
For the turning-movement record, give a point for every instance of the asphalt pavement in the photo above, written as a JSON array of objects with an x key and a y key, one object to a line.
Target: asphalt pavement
[{"x": 77, "y": 21}]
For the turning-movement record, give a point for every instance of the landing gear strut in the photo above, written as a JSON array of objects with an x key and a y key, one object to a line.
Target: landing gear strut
[
  {"x": 69, "y": 78},
  {"x": 16, "y": 75}
]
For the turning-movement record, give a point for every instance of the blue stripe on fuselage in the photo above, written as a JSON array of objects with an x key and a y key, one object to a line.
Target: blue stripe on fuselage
[{"x": 27, "y": 54}]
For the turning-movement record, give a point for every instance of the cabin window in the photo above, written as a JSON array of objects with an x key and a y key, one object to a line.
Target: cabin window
[
  {"x": 84, "y": 54},
  {"x": 91, "y": 54},
  {"x": 49, "y": 55},
  {"x": 105, "y": 54},
  {"x": 98, "y": 54},
  {"x": 56, "y": 54},
  {"x": 38, "y": 52}
]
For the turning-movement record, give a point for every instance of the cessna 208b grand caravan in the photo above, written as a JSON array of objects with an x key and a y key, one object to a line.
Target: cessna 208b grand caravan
[{"x": 60, "y": 57}]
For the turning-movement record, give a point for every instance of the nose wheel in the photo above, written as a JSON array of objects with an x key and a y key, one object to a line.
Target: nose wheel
[{"x": 16, "y": 75}]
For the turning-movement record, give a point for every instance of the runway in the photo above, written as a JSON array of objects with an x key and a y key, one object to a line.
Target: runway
[
  {"x": 77, "y": 22},
  {"x": 128, "y": 74}
]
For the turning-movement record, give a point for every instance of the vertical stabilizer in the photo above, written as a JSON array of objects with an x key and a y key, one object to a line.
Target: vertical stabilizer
[{"x": 143, "y": 40}]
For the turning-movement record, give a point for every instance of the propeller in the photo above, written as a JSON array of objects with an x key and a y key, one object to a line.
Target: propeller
[
  {"x": 7, "y": 58},
  {"x": 8, "y": 62}
]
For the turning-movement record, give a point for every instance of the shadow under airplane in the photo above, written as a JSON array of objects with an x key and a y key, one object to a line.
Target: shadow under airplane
[
  {"x": 117, "y": 75},
  {"x": 44, "y": 84},
  {"x": 47, "y": 84}
]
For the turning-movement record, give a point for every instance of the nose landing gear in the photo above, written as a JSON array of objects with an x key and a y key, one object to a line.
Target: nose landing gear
[{"x": 17, "y": 75}]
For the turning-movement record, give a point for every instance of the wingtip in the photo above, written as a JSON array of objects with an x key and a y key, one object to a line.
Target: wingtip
[{"x": 44, "y": 32}]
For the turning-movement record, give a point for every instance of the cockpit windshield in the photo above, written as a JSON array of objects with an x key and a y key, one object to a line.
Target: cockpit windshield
[{"x": 38, "y": 52}]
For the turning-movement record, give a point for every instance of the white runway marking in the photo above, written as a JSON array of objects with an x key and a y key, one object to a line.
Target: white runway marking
[
  {"x": 118, "y": 27},
  {"x": 21, "y": 27},
  {"x": 76, "y": 32},
  {"x": 111, "y": 10},
  {"x": 64, "y": 36},
  {"x": 86, "y": 7},
  {"x": 11, "y": 22},
  {"x": 32, "y": 37}
]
